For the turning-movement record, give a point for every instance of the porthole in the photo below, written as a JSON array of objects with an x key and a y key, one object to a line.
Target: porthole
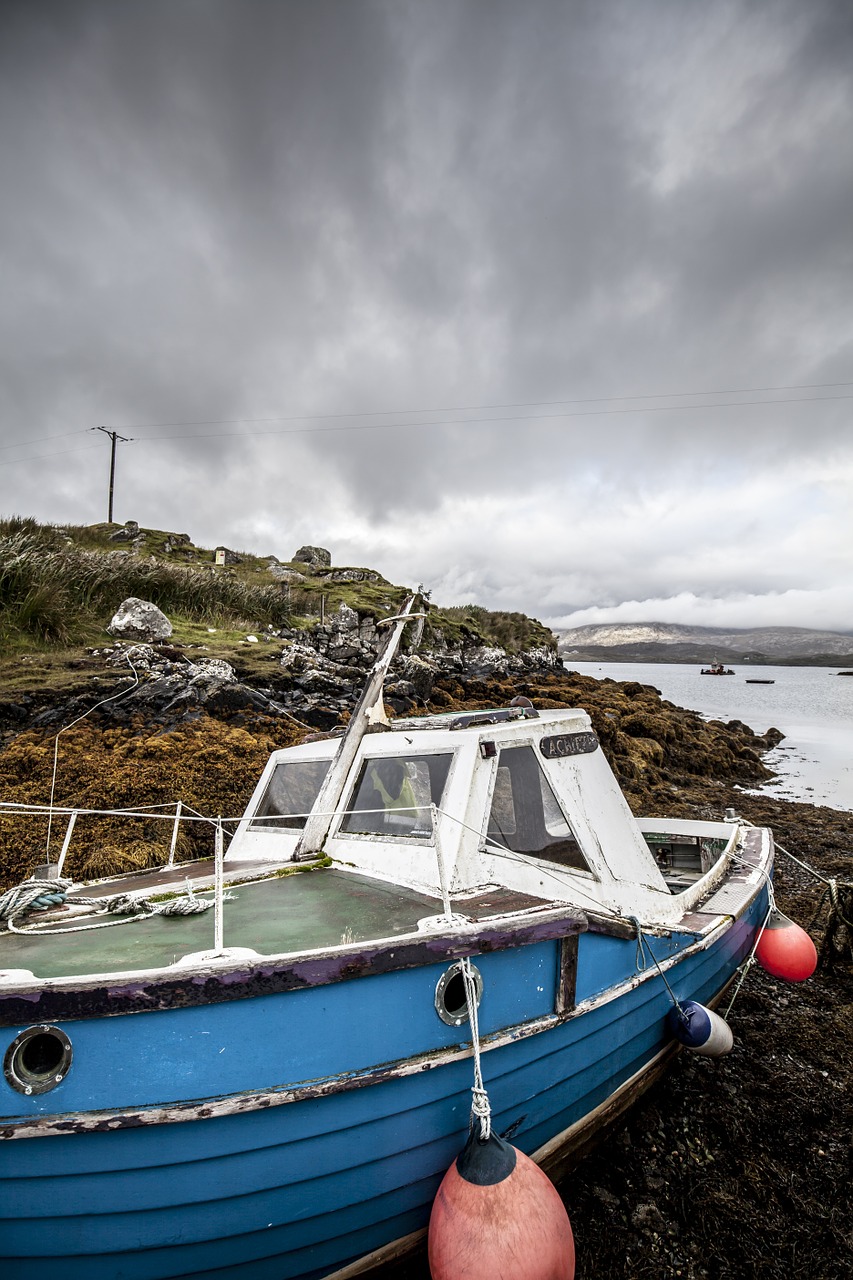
[
  {"x": 37, "y": 1060},
  {"x": 450, "y": 1003}
]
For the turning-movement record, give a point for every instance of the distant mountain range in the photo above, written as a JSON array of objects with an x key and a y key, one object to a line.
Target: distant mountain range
[{"x": 665, "y": 642}]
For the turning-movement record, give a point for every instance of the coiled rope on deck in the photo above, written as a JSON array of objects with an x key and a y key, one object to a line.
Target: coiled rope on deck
[
  {"x": 40, "y": 895},
  {"x": 32, "y": 895}
]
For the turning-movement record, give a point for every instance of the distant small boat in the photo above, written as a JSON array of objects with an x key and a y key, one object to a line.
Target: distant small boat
[
  {"x": 717, "y": 669},
  {"x": 760, "y": 681}
]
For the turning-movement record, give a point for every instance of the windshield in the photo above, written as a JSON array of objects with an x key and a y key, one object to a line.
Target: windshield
[
  {"x": 290, "y": 794},
  {"x": 393, "y": 794},
  {"x": 525, "y": 816}
]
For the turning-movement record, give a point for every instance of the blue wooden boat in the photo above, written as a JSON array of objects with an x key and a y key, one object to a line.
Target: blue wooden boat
[{"x": 275, "y": 1087}]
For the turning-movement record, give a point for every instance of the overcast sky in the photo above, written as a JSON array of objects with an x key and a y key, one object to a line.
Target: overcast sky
[{"x": 544, "y": 304}]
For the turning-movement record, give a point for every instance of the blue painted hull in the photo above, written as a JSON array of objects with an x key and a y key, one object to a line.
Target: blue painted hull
[{"x": 298, "y": 1188}]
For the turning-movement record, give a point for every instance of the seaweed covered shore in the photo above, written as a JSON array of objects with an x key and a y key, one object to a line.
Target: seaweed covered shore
[{"x": 736, "y": 1168}]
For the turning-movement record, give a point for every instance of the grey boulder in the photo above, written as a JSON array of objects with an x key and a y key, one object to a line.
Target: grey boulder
[{"x": 139, "y": 620}]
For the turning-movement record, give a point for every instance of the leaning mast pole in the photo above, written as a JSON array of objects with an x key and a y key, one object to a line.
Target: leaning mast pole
[{"x": 368, "y": 711}]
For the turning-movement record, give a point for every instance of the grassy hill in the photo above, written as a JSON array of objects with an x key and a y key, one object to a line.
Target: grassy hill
[{"x": 61, "y": 584}]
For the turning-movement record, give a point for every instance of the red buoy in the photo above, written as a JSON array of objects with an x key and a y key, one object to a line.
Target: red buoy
[
  {"x": 497, "y": 1214},
  {"x": 786, "y": 950}
]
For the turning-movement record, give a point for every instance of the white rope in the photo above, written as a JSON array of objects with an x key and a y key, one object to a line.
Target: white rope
[
  {"x": 25, "y": 897},
  {"x": 480, "y": 1108},
  {"x": 112, "y": 698},
  {"x": 12, "y": 808},
  {"x": 802, "y": 864},
  {"x": 481, "y": 1111},
  {"x": 125, "y": 907}
]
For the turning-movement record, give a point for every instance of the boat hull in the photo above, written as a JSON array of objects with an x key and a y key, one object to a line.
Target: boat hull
[{"x": 298, "y": 1178}]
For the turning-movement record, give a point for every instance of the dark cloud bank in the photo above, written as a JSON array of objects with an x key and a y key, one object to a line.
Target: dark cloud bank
[{"x": 216, "y": 217}]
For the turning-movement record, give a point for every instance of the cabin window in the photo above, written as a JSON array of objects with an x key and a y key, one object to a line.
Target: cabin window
[
  {"x": 290, "y": 795},
  {"x": 526, "y": 817},
  {"x": 393, "y": 794}
]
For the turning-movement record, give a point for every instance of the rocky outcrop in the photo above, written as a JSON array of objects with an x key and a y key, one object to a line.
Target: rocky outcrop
[
  {"x": 353, "y": 575},
  {"x": 139, "y": 620},
  {"x": 283, "y": 574},
  {"x": 314, "y": 557},
  {"x": 491, "y": 661},
  {"x": 177, "y": 542},
  {"x": 346, "y": 637},
  {"x": 172, "y": 685},
  {"x": 329, "y": 664},
  {"x": 421, "y": 674},
  {"x": 128, "y": 533}
]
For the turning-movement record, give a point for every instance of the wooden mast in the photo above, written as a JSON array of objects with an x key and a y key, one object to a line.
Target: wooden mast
[{"x": 369, "y": 710}]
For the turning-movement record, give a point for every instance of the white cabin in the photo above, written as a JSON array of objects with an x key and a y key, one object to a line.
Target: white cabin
[{"x": 525, "y": 800}]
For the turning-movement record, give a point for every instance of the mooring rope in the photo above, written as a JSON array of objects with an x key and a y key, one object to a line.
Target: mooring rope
[
  {"x": 832, "y": 893},
  {"x": 837, "y": 892},
  {"x": 32, "y": 895},
  {"x": 745, "y": 965},
  {"x": 480, "y": 1107},
  {"x": 644, "y": 953},
  {"x": 837, "y": 922},
  {"x": 811, "y": 870}
]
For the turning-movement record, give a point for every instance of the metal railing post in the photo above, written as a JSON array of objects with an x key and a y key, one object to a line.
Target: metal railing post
[{"x": 218, "y": 896}]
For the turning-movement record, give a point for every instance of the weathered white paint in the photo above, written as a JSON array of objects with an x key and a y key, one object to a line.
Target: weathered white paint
[{"x": 623, "y": 879}]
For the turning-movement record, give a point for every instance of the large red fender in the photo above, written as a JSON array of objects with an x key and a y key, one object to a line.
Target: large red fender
[
  {"x": 497, "y": 1214},
  {"x": 786, "y": 950}
]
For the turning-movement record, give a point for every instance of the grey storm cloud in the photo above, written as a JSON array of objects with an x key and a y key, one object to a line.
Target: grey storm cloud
[{"x": 511, "y": 299}]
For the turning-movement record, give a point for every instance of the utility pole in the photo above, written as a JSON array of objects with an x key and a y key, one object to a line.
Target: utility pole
[{"x": 113, "y": 435}]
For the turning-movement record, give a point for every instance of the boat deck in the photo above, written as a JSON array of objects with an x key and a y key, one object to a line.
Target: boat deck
[{"x": 289, "y": 914}]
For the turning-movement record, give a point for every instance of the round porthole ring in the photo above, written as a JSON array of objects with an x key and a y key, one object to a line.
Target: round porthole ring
[
  {"x": 458, "y": 1015},
  {"x": 27, "y": 1081}
]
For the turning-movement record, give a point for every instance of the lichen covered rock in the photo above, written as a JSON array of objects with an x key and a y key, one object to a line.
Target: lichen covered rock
[
  {"x": 139, "y": 620},
  {"x": 315, "y": 557}
]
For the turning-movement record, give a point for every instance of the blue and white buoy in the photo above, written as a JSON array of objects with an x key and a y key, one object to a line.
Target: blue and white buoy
[{"x": 700, "y": 1029}]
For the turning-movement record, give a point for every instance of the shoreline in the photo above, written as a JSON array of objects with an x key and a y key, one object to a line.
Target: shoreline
[{"x": 813, "y": 762}]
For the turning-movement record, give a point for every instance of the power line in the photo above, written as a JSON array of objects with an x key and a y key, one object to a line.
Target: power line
[
  {"x": 62, "y": 435},
  {"x": 59, "y": 453},
  {"x": 471, "y": 408},
  {"x": 444, "y": 422},
  {"x": 381, "y": 426}
]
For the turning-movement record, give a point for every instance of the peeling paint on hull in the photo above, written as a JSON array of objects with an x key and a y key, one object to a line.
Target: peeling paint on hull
[{"x": 170, "y": 1171}]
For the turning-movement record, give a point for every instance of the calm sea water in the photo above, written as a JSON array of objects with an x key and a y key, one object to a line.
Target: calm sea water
[{"x": 812, "y": 706}]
